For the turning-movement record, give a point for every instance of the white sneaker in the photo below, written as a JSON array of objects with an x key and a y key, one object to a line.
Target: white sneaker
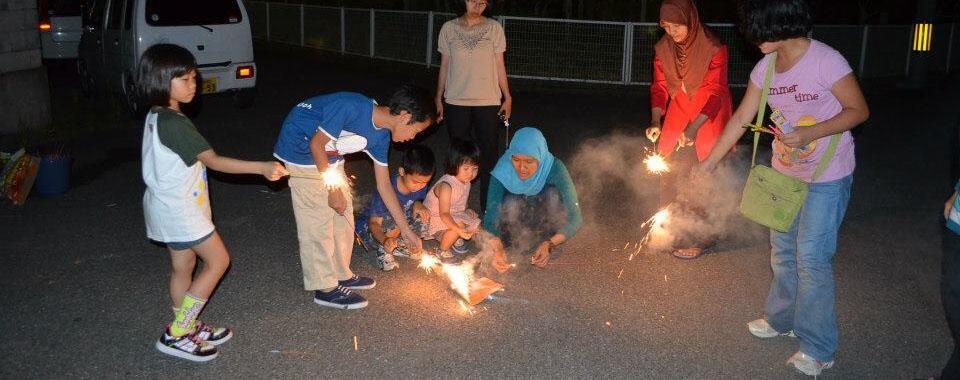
[
  {"x": 761, "y": 329},
  {"x": 387, "y": 262},
  {"x": 808, "y": 365},
  {"x": 189, "y": 347},
  {"x": 460, "y": 247}
]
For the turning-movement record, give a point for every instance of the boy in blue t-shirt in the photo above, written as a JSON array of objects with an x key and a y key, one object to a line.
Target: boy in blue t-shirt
[
  {"x": 315, "y": 136},
  {"x": 377, "y": 226}
]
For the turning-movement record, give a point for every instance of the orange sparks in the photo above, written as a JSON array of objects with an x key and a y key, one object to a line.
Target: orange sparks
[{"x": 656, "y": 164}]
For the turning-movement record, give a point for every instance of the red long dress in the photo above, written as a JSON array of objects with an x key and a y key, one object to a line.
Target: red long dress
[{"x": 711, "y": 99}]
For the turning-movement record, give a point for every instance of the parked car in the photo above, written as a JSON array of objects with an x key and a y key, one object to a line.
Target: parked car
[
  {"x": 117, "y": 32},
  {"x": 59, "y": 28}
]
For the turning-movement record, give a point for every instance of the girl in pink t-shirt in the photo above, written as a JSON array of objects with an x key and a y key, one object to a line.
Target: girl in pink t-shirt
[
  {"x": 451, "y": 222},
  {"x": 814, "y": 95}
]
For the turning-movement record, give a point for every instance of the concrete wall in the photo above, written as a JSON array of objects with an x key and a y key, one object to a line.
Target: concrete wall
[{"x": 24, "y": 90}]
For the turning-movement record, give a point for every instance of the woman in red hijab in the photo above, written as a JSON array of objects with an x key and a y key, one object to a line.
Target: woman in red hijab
[{"x": 690, "y": 84}]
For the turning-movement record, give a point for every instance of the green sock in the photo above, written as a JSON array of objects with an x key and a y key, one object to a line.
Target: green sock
[{"x": 190, "y": 308}]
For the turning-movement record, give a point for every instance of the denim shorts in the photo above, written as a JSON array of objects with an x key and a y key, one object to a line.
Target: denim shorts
[{"x": 180, "y": 246}]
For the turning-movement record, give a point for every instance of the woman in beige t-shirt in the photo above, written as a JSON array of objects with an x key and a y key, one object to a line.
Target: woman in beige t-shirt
[{"x": 472, "y": 90}]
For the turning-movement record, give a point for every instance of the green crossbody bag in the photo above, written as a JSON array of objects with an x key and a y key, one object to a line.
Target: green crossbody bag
[{"x": 769, "y": 197}]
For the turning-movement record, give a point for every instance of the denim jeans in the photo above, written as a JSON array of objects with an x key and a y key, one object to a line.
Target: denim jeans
[
  {"x": 950, "y": 296},
  {"x": 802, "y": 293}
]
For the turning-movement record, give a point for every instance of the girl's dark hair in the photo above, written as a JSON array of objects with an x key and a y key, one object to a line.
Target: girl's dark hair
[
  {"x": 158, "y": 66},
  {"x": 415, "y": 100},
  {"x": 460, "y": 7},
  {"x": 775, "y": 20},
  {"x": 417, "y": 159},
  {"x": 462, "y": 152}
]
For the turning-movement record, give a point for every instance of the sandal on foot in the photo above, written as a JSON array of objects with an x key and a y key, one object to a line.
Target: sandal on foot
[{"x": 689, "y": 253}]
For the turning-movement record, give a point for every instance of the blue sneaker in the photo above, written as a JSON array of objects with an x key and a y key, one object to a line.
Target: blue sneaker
[
  {"x": 340, "y": 298},
  {"x": 358, "y": 283}
]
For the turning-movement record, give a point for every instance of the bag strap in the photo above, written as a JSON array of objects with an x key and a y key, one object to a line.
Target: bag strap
[
  {"x": 761, "y": 112},
  {"x": 827, "y": 156}
]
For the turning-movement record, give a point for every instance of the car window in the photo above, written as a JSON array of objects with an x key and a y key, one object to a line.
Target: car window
[
  {"x": 113, "y": 20},
  {"x": 128, "y": 17},
  {"x": 63, "y": 8},
  {"x": 192, "y": 12}
]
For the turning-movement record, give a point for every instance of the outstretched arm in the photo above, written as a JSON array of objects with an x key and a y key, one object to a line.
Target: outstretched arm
[
  {"x": 382, "y": 175},
  {"x": 271, "y": 170}
]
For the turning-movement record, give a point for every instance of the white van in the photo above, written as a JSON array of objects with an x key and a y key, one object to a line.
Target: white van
[
  {"x": 117, "y": 32},
  {"x": 59, "y": 26}
]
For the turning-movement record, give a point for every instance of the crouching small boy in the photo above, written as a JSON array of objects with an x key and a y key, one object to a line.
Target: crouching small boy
[
  {"x": 315, "y": 136},
  {"x": 377, "y": 227}
]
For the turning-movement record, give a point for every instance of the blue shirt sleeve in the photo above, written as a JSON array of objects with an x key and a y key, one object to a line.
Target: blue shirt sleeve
[{"x": 379, "y": 150}]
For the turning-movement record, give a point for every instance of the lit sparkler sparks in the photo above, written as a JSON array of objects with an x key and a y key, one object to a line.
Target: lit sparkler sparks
[
  {"x": 656, "y": 164},
  {"x": 334, "y": 179},
  {"x": 459, "y": 276},
  {"x": 473, "y": 291},
  {"x": 427, "y": 262},
  {"x": 655, "y": 224}
]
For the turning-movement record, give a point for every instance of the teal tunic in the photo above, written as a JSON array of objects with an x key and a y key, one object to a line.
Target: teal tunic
[{"x": 559, "y": 178}]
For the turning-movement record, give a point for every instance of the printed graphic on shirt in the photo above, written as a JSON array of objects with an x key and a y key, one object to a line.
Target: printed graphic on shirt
[
  {"x": 470, "y": 38},
  {"x": 786, "y": 155},
  {"x": 201, "y": 199},
  {"x": 347, "y": 142}
]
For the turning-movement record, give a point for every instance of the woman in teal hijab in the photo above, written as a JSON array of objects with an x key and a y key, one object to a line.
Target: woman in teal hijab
[{"x": 531, "y": 201}]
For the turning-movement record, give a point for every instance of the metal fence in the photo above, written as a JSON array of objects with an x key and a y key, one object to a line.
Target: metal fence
[{"x": 574, "y": 50}]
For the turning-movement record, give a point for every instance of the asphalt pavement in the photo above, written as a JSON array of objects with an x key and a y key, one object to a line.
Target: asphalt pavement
[{"x": 83, "y": 293}]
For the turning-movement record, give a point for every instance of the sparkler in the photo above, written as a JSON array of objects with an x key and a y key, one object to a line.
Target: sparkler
[
  {"x": 656, "y": 164},
  {"x": 473, "y": 291},
  {"x": 427, "y": 262},
  {"x": 655, "y": 224},
  {"x": 459, "y": 276},
  {"x": 757, "y": 128},
  {"x": 332, "y": 178}
]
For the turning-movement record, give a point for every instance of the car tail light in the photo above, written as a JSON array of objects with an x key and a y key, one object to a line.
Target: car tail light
[
  {"x": 45, "y": 26},
  {"x": 244, "y": 72}
]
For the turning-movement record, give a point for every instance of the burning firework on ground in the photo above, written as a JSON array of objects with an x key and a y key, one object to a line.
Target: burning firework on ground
[
  {"x": 473, "y": 291},
  {"x": 655, "y": 226}
]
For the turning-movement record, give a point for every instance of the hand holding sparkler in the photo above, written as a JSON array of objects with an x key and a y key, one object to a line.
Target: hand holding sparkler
[
  {"x": 273, "y": 171},
  {"x": 773, "y": 130},
  {"x": 653, "y": 133},
  {"x": 499, "y": 260},
  {"x": 797, "y": 139},
  {"x": 412, "y": 241},
  {"x": 541, "y": 257},
  {"x": 684, "y": 141},
  {"x": 506, "y": 109}
]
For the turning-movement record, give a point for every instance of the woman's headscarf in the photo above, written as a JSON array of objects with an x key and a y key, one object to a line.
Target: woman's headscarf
[
  {"x": 686, "y": 62},
  {"x": 529, "y": 142}
]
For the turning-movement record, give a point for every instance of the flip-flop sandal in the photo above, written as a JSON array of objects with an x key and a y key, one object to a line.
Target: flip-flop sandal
[{"x": 689, "y": 253}]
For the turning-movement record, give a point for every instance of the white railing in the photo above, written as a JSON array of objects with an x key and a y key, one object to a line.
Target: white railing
[{"x": 572, "y": 50}]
